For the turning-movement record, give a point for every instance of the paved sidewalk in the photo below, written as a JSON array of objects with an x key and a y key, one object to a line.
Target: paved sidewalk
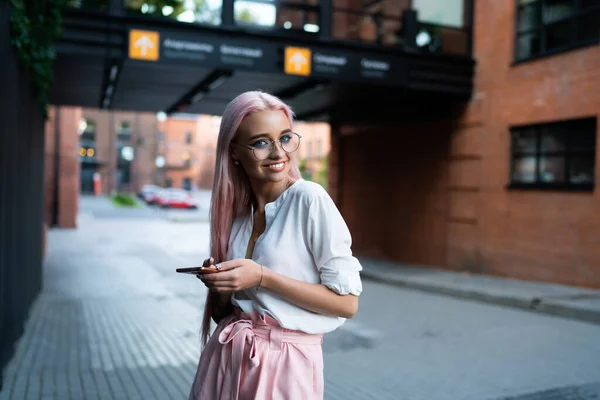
[
  {"x": 115, "y": 322},
  {"x": 562, "y": 300}
]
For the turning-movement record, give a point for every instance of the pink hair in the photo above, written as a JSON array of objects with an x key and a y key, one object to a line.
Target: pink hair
[{"x": 231, "y": 194}]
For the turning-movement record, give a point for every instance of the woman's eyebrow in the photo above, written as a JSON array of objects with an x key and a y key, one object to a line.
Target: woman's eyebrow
[{"x": 267, "y": 135}]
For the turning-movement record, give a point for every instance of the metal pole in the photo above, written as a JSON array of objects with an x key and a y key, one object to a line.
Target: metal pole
[
  {"x": 410, "y": 26},
  {"x": 227, "y": 13},
  {"x": 325, "y": 18}
]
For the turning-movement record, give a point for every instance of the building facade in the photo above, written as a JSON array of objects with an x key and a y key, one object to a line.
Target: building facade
[
  {"x": 508, "y": 184},
  {"x": 120, "y": 146}
]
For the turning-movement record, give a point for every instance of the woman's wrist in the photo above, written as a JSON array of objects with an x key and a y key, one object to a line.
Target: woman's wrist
[{"x": 265, "y": 276}]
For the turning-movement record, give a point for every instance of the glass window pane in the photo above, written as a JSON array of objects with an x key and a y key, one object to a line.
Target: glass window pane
[
  {"x": 582, "y": 135},
  {"x": 524, "y": 170},
  {"x": 555, "y": 10},
  {"x": 525, "y": 140},
  {"x": 553, "y": 139},
  {"x": 559, "y": 34},
  {"x": 249, "y": 12},
  {"x": 552, "y": 169},
  {"x": 529, "y": 17},
  {"x": 588, "y": 26},
  {"x": 581, "y": 170},
  {"x": 446, "y": 13},
  {"x": 528, "y": 45},
  {"x": 203, "y": 11},
  {"x": 582, "y": 142}
]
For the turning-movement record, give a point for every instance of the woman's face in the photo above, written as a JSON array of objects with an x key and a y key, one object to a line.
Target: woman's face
[{"x": 257, "y": 130}]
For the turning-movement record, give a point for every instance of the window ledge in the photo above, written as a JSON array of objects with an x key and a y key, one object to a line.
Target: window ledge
[
  {"x": 554, "y": 52},
  {"x": 559, "y": 187}
]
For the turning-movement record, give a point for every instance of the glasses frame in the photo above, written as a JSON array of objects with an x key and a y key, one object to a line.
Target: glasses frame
[{"x": 271, "y": 146}]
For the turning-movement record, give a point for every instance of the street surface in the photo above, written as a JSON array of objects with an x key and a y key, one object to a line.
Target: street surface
[{"x": 114, "y": 321}]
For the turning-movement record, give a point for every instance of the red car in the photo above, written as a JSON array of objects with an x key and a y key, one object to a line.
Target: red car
[{"x": 175, "y": 198}]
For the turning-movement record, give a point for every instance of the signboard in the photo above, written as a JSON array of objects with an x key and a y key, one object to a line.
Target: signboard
[
  {"x": 144, "y": 45},
  {"x": 211, "y": 50},
  {"x": 297, "y": 61}
]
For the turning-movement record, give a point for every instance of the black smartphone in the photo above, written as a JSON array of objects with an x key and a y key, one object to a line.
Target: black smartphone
[{"x": 196, "y": 270}]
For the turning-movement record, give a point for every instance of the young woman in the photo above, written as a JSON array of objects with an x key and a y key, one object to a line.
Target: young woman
[{"x": 284, "y": 272}]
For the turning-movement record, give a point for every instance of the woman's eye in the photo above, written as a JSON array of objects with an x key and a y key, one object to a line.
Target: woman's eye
[
  {"x": 285, "y": 138},
  {"x": 260, "y": 144}
]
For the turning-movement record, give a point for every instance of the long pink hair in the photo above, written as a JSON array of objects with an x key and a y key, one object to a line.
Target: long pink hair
[{"x": 232, "y": 194}]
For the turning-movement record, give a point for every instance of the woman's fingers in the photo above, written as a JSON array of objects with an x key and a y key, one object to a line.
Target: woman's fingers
[
  {"x": 228, "y": 265},
  {"x": 221, "y": 276},
  {"x": 208, "y": 262}
]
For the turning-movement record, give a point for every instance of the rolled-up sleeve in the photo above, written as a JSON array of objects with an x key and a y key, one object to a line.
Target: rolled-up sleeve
[{"x": 330, "y": 242}]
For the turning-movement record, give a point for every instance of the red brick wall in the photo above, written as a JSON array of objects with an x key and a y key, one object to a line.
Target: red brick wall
[
  {"x": 68, "y": 164},
  {"x": 393, "y": 194},
  {"x": 541, "y": 235},
  {"x": 448, "y": 205}
]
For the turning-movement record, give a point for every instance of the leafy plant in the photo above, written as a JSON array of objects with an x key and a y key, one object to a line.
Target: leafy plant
[
  {"x": 36, "y": 25},
  {"x": 304, "y": 169},
  {"x": 124, "y": 200}
]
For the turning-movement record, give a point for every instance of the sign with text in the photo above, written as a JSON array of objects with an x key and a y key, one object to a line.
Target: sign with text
[
  {"x": 144, "y": 45},
  {"x": 276, "y": 55}
]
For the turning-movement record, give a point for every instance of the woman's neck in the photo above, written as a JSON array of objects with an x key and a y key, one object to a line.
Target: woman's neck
[{"x": 267, "y": 192}]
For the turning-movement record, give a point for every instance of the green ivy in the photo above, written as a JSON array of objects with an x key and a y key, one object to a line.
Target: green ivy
[{"x": 36, "y": 25}]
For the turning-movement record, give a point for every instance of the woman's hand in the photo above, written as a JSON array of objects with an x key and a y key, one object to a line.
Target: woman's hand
[{"x": 233, "y": 276}]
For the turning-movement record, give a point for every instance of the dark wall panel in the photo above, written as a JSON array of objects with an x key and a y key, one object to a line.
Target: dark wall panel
[{"x": 21, "y": 194}]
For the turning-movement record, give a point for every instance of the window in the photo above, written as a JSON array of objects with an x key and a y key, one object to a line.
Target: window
[
  {"x": 125, "y": 127},
  {"x": 555, "y": 156},
  {"x": 187, "y": 163},
  {"x": 187, "y": 184},
  {"x": 124, "y": 132},
  {"x": 549, "y": 26},
  {"x": 87, "y": 131},
  {"x": 446, "y": 13},
  {"x": 188, "y": 137}
]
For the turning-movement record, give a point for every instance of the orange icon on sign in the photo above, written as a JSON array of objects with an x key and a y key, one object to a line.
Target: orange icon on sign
[
  {"x": 144, "y": 45},
  {"x": 297, "y": 61}
]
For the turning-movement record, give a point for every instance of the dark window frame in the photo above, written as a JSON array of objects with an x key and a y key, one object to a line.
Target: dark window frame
[
  {"x": 543, "y": 28},
  {"x": 568, "y": 154},
  {"x": 189, "y": 138}
]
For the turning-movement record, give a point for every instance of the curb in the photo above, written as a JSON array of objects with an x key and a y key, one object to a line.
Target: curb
[{"x": 530, "y": 304}]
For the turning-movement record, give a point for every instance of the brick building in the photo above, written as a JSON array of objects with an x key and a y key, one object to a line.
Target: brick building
[
  {"x": 508, "y": 184},
  {"x": 188, "y": 144},
  {"x": 123, "y": 147},
  {"x": 120, "y": 146}
]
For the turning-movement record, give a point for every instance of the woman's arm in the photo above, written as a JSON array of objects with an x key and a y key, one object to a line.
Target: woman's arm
[
  {"x": 242, "y": 274},
  {"x": 313, "y": 297}
]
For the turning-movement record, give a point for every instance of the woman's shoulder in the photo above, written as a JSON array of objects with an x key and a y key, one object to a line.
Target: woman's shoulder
[{"x": 307, "y": 192}]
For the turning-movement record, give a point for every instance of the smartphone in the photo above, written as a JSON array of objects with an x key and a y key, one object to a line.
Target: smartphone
[{"x": 196, "y": 270}]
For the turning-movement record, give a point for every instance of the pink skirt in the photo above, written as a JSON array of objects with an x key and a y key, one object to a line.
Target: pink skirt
[{"x": 250, "y": 356}]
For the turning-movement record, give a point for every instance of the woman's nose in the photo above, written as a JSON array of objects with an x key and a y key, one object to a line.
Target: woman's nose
[{"x": 277, "y": 149}]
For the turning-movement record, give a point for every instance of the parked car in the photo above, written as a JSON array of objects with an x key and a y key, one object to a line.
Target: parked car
[
  {"x": 175, "y": 198},
  {"x": 148, "y": 193}
]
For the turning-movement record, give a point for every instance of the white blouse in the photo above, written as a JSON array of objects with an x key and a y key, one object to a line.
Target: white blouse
[{"x": 307, "y": 239}]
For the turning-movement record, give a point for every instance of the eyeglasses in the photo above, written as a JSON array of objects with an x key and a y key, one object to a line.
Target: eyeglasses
[{"x": 262, "y": 148}]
